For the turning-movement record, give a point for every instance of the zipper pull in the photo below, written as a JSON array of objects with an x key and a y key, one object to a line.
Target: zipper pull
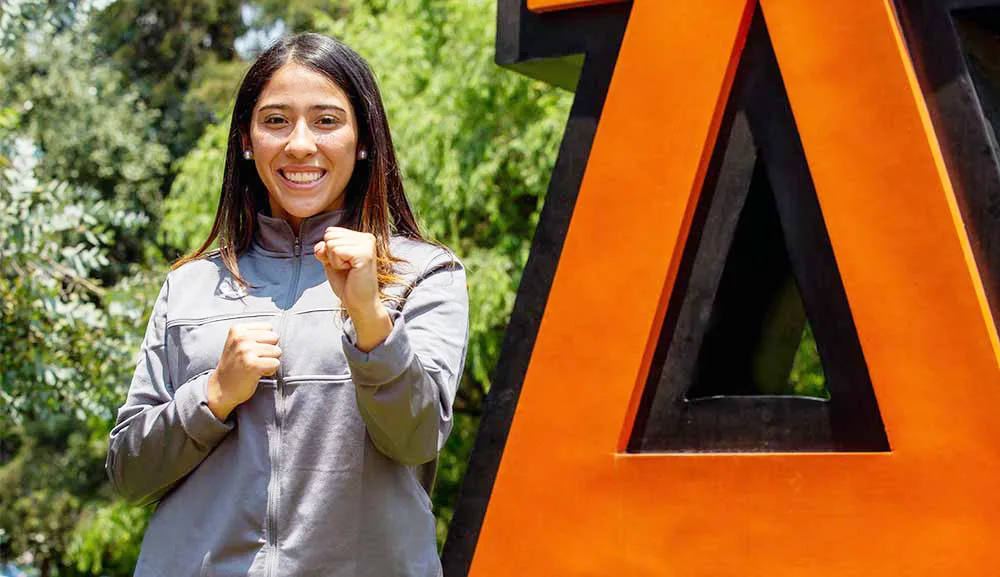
[{"x": 297, "y": 248}]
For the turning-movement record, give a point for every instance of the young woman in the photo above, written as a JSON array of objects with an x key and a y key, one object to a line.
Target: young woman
[{"x": 295, "y": 386}]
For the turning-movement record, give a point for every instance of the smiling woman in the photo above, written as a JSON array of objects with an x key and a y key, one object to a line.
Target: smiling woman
[{"x": 296, "y": 385}]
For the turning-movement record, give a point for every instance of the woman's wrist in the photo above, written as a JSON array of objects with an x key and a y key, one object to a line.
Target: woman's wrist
[
  {"x": 216, "y": 398},
  {"x": 372, "y": 325}
]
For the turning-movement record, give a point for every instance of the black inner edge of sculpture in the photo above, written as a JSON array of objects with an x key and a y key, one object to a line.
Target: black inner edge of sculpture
[{"x": 955, "y": 48}]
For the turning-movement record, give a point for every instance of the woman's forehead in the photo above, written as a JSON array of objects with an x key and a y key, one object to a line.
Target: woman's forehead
[{"x": 294, "y": 86}]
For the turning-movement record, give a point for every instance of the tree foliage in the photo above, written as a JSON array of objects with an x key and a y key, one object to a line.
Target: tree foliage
[
  {"x": 68, "y": 347},
  {"x": 78, "y": 173},
  {"x": 90, "y": 127},
  {"x": 190, "y": 208},
  {"x": 165, "y": 46},
  {"x": 79, "y": 181}
]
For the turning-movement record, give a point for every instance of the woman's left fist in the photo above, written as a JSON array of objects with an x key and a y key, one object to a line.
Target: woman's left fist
[{"x": 349, "y": 259}]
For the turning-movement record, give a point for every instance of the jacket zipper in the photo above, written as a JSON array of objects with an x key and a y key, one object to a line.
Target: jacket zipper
[{"x": 279, "y": 408}]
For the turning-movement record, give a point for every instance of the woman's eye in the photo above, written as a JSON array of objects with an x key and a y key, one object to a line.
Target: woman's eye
[
  {"x": 274, "y": 120},
  {"x": 327, "y": 120}
]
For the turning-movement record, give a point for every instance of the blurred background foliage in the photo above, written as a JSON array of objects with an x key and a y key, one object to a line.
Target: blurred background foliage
[{"x": 113, "y": 123}]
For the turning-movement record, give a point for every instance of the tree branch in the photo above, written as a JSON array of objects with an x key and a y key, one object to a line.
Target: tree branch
[{"x": 63, "y": 272}]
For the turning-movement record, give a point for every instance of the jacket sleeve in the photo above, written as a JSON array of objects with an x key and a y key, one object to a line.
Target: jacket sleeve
[
  {"x": 406, "y": 385},
  {"x": 163, "y": 432}
]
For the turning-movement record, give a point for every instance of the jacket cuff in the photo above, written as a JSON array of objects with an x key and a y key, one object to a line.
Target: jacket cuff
[
  {"x": 385, "y": 362},
  {"x": 197, "y": 419}
]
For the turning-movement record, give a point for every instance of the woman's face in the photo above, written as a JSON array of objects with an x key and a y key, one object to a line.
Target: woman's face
[{"x": 304, "y": 139}]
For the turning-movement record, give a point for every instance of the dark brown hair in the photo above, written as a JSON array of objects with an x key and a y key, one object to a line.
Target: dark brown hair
[{"x": 374, "y": 201}]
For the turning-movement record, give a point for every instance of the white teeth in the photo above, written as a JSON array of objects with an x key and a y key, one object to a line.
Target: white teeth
[{"x": 303, "y": 177}]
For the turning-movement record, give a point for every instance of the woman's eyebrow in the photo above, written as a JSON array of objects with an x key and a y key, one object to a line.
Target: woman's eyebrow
[{"x": 283, "y": 106}]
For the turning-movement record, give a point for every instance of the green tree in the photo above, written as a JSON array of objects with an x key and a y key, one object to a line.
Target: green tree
[
  {"x": 168, "y": 48},
  {"x": 78, "y": 173},
  {"x": 67, "y": 347},
  {"x": 90, "y": 127},
  {"x": 79, "y": 181},
  {"x": 299, "y": 15},
  {"x": 190, "y": 208}
]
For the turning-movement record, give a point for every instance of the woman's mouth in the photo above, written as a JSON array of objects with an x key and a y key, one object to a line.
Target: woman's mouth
[{"x": 301, "y": 178}]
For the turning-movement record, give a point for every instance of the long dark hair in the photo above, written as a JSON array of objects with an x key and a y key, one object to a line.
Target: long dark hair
[{"x": 374, "y": 201}]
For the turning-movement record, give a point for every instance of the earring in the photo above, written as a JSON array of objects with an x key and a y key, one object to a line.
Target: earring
[
  {"x": 362, "y": 154},
  {"x": 247, "y": 154}
]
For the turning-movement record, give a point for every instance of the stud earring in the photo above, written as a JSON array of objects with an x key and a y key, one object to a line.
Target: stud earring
[
  {"x": 362, "y": 154},
  {"x": 247, "y": 154}
]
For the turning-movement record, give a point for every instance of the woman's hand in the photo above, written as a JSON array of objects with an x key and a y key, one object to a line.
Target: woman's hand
[
  {"x": 250, "y": 352},
  {"x": 349, "y": 259}
]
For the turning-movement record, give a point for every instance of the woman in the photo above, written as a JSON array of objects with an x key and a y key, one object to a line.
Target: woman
[{"x": 294, "y": 387}]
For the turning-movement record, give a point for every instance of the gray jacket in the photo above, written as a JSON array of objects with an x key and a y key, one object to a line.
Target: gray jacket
[{"x": 325, "y": 471}]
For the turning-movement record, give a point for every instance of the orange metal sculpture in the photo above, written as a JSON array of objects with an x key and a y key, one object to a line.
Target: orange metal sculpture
[{"x": 568, "y": 499}]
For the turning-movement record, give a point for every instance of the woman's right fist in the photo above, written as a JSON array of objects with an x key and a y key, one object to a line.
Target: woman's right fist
[{"x": 251, "y": 352}]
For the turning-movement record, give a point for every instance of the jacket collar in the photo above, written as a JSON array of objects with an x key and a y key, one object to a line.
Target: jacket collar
[{"x": 275, "y": 236}]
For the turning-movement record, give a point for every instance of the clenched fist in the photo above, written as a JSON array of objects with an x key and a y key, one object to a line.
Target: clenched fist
[
  {"x": 251, "y": 352},
  {"x": 349, "y": 258}
]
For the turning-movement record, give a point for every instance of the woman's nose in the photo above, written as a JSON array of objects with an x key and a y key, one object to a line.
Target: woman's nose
[{"x": 301, "y": 142}]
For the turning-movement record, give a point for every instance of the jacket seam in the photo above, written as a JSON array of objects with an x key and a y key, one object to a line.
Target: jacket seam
[{"x": 214, "y": 318}]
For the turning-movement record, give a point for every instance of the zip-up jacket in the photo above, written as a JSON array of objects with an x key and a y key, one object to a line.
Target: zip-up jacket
[{"x": 326, "y": 469}]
